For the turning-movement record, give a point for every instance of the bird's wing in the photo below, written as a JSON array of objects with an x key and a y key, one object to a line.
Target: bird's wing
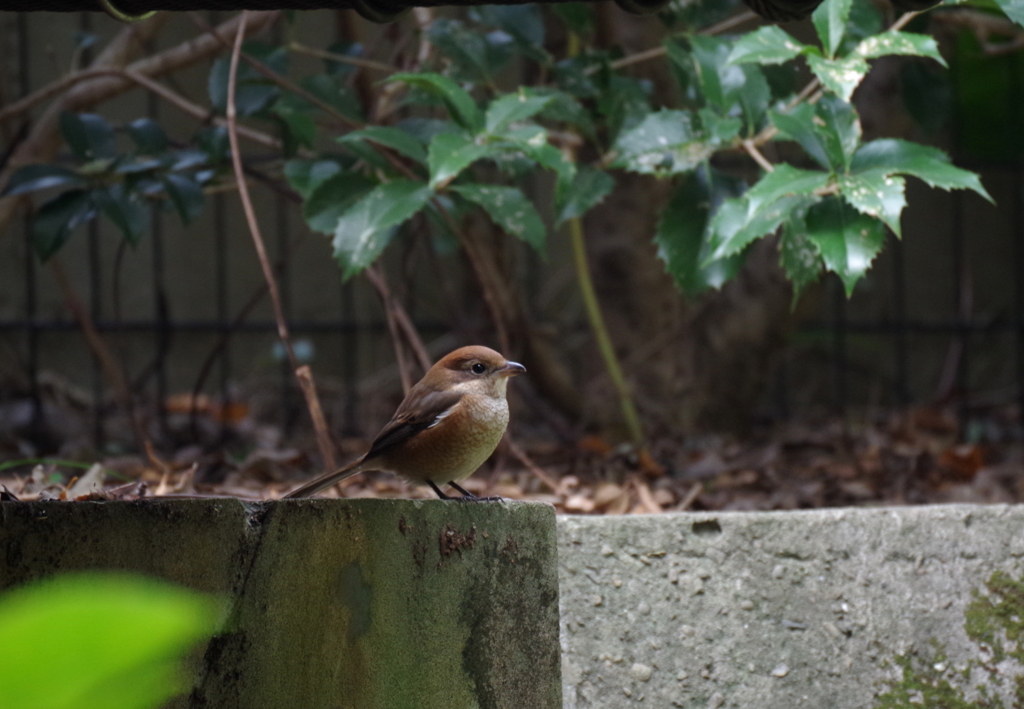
[{"x": 422, "y": 413}]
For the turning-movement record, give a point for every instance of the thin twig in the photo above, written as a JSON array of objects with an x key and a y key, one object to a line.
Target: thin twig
[
  {"x": 604, "y": 340},
  {"x": 760, "y": 159},
  {"x": 282, "y": 81},
  {"x": 376, "y": 278},
  {"x": 520, "y": 455},
  {"x": 655, "y": 52},
  {"x": 360, "y": 62},
  {"x": 403, "y": 322},
  {"x": 108, "y": 364},
  {"x": 305, "y": 383}
]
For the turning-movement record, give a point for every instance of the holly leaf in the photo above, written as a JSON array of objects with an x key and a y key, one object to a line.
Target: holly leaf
[
  {"x": 512, "y": 108},
  {"x": 331, "y": 198},
  {"x": 40, "y": 177},
  {"x": 799, "y": 257},
  {"x": 304, "y": 176},
  {"x": 840, "y": 76},
  {"x": 735, "y": 225},
  {"x": 838, "y": 127},
  {"x": 892, "y": 156},
  {"x": 665, "y": 143},
  {"x": 186, "y": 196},
  {"x": 1014, "y": 9},
  {"x": 509, "y": 208},
  {"x": 57, "y": 219},
  {"x": 877, "y": 195},
  {"x": 829, "y": 20},
  {"x": 848, "y": 240},
  {"x": 460, "y": 104},
  {"x": 148, "y": 135},
  {"x": 367, "y": 227},
  {"x": 588, "y": 188},
  {"x": 125, "y": 209},
  {"x": 905, "y": 43},
  {"x": 799, "y": 125},
  {"x": 89, "y": 136},
  {"x": 394, "y": 138},
  {"x": 451, "y": 153},
  {"x": 785, "y": 180},
  {"x": 767, "y": 45}
]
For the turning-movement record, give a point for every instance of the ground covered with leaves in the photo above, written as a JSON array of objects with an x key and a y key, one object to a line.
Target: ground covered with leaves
[{"x": 924, "y": 455}]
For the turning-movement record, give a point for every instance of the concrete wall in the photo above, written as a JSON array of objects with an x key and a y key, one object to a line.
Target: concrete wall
[
  {"x": 842, "y": 608},
  {"x": 330, "y": 604}
]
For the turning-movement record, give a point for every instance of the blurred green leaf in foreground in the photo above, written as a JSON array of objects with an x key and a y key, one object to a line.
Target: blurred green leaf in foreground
[{"x": 97, "y": 641}]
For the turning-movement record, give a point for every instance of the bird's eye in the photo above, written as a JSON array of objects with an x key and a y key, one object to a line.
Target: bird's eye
[{"x": 479, "y": 368}]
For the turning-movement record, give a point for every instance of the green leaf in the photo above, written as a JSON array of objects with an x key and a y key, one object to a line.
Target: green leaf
[
  {"x": 767, "y": 45},
  {"x": 891, "y": 156},
  {"x": 799, "y": 125},
  {"x": 564, "y": 108},
  {"x": 57, "y": 219},
  {"x": 125, "y": 209},
  {"x": 89, "y": 136},
  {"x": 148, "y": 135},
  {"x": 1014, "y": 9},
  {"x": 460, "y": 104},
  {"x": 680, "y": 238},
  {"x": 735, "y": 225},
  {"x": 451, "y": 153},
  {"x": 512, "y": 108},
  {"x": 665, "y": 143},
  {"x": 798, "y": 255},
  {"x": 509, "y": 208},
  {"x": 366, "y": 228},
  {"x": 840, "y": 76},
  {"x": 785, "y": 180},
  {"x": 905, "y": 43},
  {"x": 40, "y": 177},
  {"x": 838, "y": 126},
  {"x": 829, "y": 20},
  {"x": 186, "y": 196},
  {"x": 297, "y": 119},
  {"x": 524, "y": 23},
  {"x": 304, "y": 176},
  {"x": 876, "y": 195},
  {"x": 473, "y": 57},
  {"x": 754, "y": 98},
  {"x": 848, "y": 240},
  {"x": 253, "y": 91},
  {"x": 588, "y": 189},
  {"x": 394, "y": 138},
  {"x": 331, "y": 198},
  {"x": 117, "y": 640},
  {"x": 720, "y": 80},
  {"x": 335, "y": 92}
]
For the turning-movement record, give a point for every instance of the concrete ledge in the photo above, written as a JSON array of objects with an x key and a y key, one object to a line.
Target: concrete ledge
[
  {"x": 363, "y": 604},
  {"x": 830, "y": 608}
]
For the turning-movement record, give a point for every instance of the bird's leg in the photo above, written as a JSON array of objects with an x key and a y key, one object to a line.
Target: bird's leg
[
  {"x": 438, "y": 490},
  {"x": 467, "y": 496}
]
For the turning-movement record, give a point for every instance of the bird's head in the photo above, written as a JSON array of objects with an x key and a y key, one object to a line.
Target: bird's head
[{"x": 478, "y": 369}]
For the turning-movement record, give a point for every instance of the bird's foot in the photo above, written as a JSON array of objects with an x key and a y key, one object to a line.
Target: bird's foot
[{"x": 467, "y": 496}]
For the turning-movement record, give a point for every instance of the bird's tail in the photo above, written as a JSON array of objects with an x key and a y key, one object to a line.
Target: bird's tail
[{"x": 325, "y": 481}]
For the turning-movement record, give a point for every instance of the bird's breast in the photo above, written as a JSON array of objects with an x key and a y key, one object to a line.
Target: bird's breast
[{"x": 458, "y": 445}]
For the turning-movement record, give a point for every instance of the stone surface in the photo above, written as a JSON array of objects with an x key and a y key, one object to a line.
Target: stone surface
[
  {"x": 792, "y": 609},
  {"x": 331, "y": 604}
]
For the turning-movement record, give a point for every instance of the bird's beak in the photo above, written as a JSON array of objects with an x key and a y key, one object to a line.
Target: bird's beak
[{"x": 511, "y": 369}]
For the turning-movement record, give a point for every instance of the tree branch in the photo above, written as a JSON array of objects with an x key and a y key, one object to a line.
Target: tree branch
[{"x": 302, "y": 374}]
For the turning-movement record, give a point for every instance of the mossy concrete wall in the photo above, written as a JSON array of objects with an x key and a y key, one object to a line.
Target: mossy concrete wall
[
  {"x": 331, "y": 604},
  {"x": 843, "y": 608}
]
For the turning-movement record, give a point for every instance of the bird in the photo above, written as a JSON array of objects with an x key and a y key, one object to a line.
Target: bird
[{"x": 446, "y": 427}]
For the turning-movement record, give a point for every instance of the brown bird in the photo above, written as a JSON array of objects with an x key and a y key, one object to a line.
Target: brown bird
[{"x": 448, "y": 425}]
